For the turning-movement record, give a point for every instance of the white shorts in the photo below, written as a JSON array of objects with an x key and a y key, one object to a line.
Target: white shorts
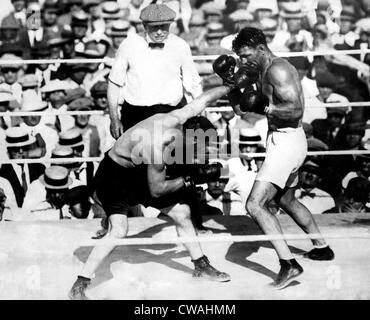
[{"x": 286, "y": 150}]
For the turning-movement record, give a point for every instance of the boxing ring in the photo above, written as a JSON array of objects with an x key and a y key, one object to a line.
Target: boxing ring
[{"x": 41, "y": 259}]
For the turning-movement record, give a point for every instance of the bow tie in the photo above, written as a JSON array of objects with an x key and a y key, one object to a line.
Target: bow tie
[
  {"x": 307, "y": 194},
  {"x": 154, "y": 45}
]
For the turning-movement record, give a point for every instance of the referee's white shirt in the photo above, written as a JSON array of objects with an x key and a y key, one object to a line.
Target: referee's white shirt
[{"x": 155, "y": 76}]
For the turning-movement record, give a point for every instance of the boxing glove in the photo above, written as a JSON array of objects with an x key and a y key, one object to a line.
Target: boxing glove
[
  {"x": 224, "y": 66},
  {"x": 253, "y": 101},
  {"x": 205, "y": 173},
  {"x": 245, "y": 77}
]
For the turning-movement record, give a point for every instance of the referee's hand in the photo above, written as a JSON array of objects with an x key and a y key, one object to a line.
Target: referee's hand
[{"x": 116, "y": 129}]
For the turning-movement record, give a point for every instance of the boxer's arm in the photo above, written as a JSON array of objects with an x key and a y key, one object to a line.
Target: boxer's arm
[
  {"x": 158, "y": 185},
  {"x": 283, "y": 94},
  {"x": 198, "y": 105}
]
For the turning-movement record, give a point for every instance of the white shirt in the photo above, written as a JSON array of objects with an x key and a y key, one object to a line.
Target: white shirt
[
  {"x": 35, "y": 35},
  {"x": 155, "y": 76},
  {"x": 102, "y": 123},
  {"x": 310, "y": 92},
  {"x": 348, "y": 38},
  {"x": 319, "y": 203},
  {"x": 282, "y": 36},
  {"x": 48, "y": 134}
]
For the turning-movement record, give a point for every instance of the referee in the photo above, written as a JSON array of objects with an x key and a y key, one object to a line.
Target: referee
[{"x": 152, "y": 73}]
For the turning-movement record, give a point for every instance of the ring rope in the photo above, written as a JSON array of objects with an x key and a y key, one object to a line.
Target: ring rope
[
  {"x": 222, "y": 156},
  {"x": 209, "y": 109},
  {"x": 221, "y": 238},
  {"x": 195, "y": 58}
]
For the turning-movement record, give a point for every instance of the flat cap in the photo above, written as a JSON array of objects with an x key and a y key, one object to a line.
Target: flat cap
[
  {"x": 100, "y": 88},
  {"x": 157, "y": 14},
  {"x": 80, "y": 104}
]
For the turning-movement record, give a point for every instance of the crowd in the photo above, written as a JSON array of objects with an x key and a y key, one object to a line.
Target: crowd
[{"x": 73, "y": 29}]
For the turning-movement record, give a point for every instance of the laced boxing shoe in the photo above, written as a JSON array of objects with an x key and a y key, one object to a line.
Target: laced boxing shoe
[
  {"x": 78, "y": 289},
  {"x": 289, "y": 271},
  {"x": 320, "y": 254},
  {"x": 204, "y": 271}
]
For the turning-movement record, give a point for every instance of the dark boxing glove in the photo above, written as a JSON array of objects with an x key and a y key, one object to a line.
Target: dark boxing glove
[
  {"x": 246, "y": 76},
  {"x": 224, "y": 66},
  {"x": 204, "y": 173},
  {"x": 253, "y": 101}
]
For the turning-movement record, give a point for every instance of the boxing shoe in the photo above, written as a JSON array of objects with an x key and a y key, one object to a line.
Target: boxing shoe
[
  {"x": 204, "y": 270},
  {"x": 289, "y": 271},
  {"x": 320, "y": 254},
  {"x": 78, "y": 289}
]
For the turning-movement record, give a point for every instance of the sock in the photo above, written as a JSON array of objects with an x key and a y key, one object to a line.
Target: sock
[
  {"x": 83, "y": 278},
  {"x": 320, "y": 246}
]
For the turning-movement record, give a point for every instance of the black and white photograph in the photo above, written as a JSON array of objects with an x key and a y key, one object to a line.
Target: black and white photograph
[{"x": 204, "y": 152}]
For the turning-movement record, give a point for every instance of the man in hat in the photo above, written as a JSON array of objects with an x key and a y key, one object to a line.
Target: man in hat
[
  {"x": 117, "y": 33},
  {"x": 9, "y": 31},
  {"x": 99, "y": 94},
  {"x": 112, "y": 12},
  {"x": 279, "y": 96},
  {"x": 11, "y": 74},
  {"x": 18, "y": 15},
  {"x": 72, "y": 7},
  {"x": 74, "y": 139},
  {"x": 327, "y": 129},
  {"x": 7, "y": 103},
  {"x": 245, "y": 167},
  {"x": 50, "y": 12},
  {"x": 96, "y": 23},
  {"x": 142, "y": 181},
  {"x": 89, "y": 132},
  {"x": 55, "y": 93},
  {"x": 52, "y": 197},
  {"x": 79, "y": 24},
  {"x": 46, "y": 136},
  {"x": 346, "y": 38},
  {"x": 362, "y": 169},
  {"x": 309, "y": 192},
  {"x": 356, "y": 197},
  {"x": 19, "y": 144},
  {"x": 295, "y": 38},
  {"x": 156, "y": 55},
  {"x": 195, "y": 37},
  {"x": 222, "y": 196},
  {"x": 215, "y": 33}
]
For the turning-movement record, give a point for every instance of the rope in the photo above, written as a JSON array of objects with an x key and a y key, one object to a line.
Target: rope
[
  {"x": 49, "y": 113},
  {"x": 221, "y": 238},
  {"x": 195, "y": 58},
  {"x": 358, "y": 104},
  {"x": 222, "y": 156}
]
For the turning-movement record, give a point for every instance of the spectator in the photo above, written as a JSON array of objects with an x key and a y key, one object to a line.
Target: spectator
[
  {"x": 8, "y": 203},
  {"x": 362, "y": 169},
  {"x": 346, "y": 37},
  {"x": 111, "y": 12},
  {"x": 60, "y": 200},
  {"x": 11, "y": 73},
  {"x": 326, "y": 130},
  {"x": 263, "y": 9},
  {"x": 102, "y": 122},
  {"x": 222, "y": 196},
  {"x": 356, "y": 196},
  {"x": 89, "y": 132},
  {"x": 228, "y": 127},
  {"x": 50, "y": 13},
  {"x": 310, "y": 90},
  {"x": 9, "y": 31},
  {"x": 244, "y": 167},
  {"x": 79, "y": 24},
  {"x": 195, "y": 37},
  {"x": 117, "y": 33},
  {"x": 19, "y": 144},
  {"x": 96, "y": 23},
  {"x": 294, "y": 38},
  {"x": 55, "y": 94},
  {"x": 72, "y": 7},
  {"x": 46, "y": 137},
  {"x": 42, "y": 71},
  {"x": 309, "y": 192},
  {"x": 18, "y": 15},
  {"x": 55, "y": 45},
  {"x": 215, "y": 32},
  {"x": 8, "y": 103}
]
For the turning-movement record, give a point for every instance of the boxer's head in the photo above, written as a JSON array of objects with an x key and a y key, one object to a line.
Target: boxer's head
[{"x": 251, "y": 46}]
